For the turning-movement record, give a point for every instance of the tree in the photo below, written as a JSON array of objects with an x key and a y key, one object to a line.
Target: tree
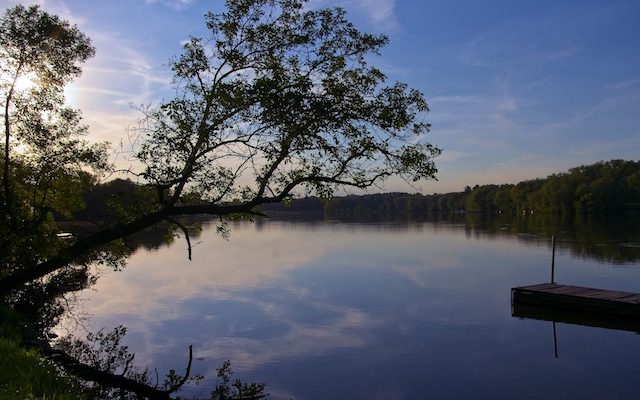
[
  {"x": 503, "y": 200},
  {"x": 46, "y": 165},
  {"x": 45, "y": 161},
  {"x": 281, "y": 97},
  {"x": 278, "y": 98},
  {"x": 39, "y": 54},
  {"x": 44, "y": 157}
]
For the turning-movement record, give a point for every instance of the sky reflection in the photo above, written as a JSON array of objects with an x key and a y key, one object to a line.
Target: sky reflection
[{"x": 355, "y": 310}]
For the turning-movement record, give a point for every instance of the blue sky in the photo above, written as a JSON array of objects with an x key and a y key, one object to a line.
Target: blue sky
[{"x": 517, "y": 89}]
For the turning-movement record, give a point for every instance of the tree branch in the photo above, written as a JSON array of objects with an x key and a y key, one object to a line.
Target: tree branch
[
  {"x": 186, "y": 235},
  {"x": 6, "y": 184},
  {"x": 185, "y": 378},
  {"x": 92, "y": 374}
]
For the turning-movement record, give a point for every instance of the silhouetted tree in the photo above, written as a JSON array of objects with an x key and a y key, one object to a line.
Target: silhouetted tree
[
  {"x": 45, "y": 160},
  {"x": 42, "y": 148}
]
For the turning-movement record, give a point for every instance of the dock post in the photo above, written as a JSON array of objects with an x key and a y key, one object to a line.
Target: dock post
[
  {"x": 553, "y": 258},
  {"x": 555, "y": 341}
]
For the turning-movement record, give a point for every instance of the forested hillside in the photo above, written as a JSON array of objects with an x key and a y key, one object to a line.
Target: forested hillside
[
  {"x": 604, "y": 187},
  {"x": 611, "y": 186}
]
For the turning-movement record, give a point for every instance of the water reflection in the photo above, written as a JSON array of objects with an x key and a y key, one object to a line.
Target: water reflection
[
  {"x": 381, "y": 310},
  {"x": 613, "y": 239},
  {"x": 583, "y": 318}
]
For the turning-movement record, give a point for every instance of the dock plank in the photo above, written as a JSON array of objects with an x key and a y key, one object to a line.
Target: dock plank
[{"x": 579, "y": 298}]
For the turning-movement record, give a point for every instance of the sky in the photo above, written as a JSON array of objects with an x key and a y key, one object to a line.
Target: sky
[{"x": 517, "y": 89}]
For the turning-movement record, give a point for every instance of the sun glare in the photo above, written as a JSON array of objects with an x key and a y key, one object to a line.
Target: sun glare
[
  {"x": 25, "y": 82},
  {"x": 20, "y": 149},
  {"x": 71, "y": 95}
]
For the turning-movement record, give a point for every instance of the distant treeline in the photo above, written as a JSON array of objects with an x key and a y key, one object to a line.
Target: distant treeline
[
  {"x": 118, "y": 199},
  {"x": 604, "y": 187}
]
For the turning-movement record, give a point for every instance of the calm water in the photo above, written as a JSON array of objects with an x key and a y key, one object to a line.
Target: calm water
[{"x": 323, "y": 310}]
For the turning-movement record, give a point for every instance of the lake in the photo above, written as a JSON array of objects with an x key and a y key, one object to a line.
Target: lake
[{"x": 379, "y": 310}]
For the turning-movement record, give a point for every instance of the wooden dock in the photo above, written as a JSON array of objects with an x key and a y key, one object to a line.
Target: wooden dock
[{"x": 586, "y": 301}]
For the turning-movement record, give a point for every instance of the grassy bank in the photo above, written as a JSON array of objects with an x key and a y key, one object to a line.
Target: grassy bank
[{"x": 24, "y": 373}]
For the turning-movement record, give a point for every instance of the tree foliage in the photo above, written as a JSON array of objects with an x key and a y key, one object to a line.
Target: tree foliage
[
  {"x": 43, "y": 146},
  {"x": 279, "y": 97},
  {"x": 46, "y": 161}
]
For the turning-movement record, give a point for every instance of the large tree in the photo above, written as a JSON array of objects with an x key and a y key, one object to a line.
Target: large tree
[
  {"x": 277, "y": 98},
  {"x": 45, "y": 160},
  {"x": 39, "y": 54}
]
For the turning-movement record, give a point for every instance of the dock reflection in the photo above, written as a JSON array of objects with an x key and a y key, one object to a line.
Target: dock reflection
[{"x": 589, "y": 318}]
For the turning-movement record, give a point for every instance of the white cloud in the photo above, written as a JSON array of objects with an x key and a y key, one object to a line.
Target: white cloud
[
  {"x": 472, "y": 99},
  {"x": 175, "y": 4},
  {"x": 515, "y": 43},
  {"x": 60, "y": 8},
  {"x": 595, "y": 151},
  {"x": 120, "y": 75},
  {"x": 623, "y": 84},
  {"x": 379, "y": 12},
  {"x": 452, "y": 156},
  {"x": 56, "y": 7}
]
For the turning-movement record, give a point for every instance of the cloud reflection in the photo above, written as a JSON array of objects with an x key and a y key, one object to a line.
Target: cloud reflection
[
  {"x": 346, "y": 329},
  {"x": 249, "y": 300},
  {"x": 156, "y": 280}
]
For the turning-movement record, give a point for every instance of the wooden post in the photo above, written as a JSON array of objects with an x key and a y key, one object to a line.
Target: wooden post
[
  {"x": 555, "y": 341},
  {"x": 553, "y": 258}
]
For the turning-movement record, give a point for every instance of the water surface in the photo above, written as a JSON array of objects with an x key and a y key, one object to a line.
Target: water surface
[{"x": 381, "y": 310}]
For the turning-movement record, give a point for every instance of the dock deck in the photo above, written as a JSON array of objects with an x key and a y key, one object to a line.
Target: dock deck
[{"x": 579, "y": 299}]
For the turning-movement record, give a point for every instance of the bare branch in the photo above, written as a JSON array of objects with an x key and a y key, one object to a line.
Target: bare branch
[
  {"x": 186, "y": 376},
  {"x": 186, "y": 234},
  {"x": 93, "y": 374}
]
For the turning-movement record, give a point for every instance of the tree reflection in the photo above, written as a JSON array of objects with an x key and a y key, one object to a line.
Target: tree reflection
[{"x": 611, "y": 239}]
